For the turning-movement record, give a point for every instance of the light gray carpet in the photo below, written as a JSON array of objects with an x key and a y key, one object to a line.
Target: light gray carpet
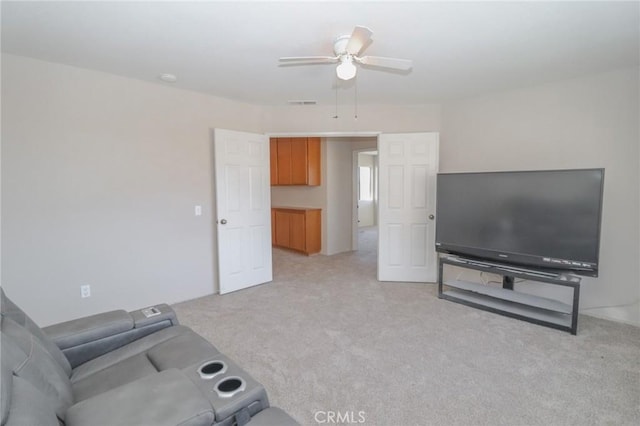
[{"x": 326, "y": 336}]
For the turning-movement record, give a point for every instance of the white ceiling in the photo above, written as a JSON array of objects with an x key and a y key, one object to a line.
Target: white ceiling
[{"x": 231, "y": 49}]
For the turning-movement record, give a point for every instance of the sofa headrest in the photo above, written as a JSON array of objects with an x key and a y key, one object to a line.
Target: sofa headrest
[{"x": 10, "y": 310}]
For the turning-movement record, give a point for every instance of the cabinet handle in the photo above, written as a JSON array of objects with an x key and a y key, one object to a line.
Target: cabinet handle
[
  {"x": 431, "y": 217},
  {"x": 223, "y": 221}
]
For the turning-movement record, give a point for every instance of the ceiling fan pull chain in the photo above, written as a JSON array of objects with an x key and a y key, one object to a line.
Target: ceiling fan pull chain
[
  {"x": 356, "y": 101},
  {"x": 336, "y": 86}
]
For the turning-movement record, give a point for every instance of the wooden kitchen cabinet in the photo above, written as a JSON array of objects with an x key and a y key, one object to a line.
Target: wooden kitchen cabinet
[
  {"x": 273, "y": 152},
  {"x": 297, "y": 229},
  {"x": 295, "y": 161},
  {"x": 282, "y": 228}
]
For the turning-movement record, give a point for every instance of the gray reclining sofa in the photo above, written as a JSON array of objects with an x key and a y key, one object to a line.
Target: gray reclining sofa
[{"x": 123, "y": 368}]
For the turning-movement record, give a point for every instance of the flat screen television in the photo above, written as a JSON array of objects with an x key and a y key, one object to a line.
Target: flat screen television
[{"x": 547, "y": 219}]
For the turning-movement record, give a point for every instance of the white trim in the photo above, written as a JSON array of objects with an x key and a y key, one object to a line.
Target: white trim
[{"x": 367, "y": 134}]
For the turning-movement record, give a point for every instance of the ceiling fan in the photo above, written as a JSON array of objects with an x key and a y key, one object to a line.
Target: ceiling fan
[{"x": 347, "y": 50}]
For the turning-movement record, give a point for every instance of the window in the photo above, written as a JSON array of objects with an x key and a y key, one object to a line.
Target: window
[{"x": 365, "y": 190}]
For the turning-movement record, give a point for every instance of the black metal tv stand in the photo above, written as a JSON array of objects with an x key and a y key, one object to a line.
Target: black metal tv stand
[{"x": 507, "y": 301}]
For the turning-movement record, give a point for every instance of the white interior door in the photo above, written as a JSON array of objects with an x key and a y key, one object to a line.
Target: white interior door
[
  {"x": 408, "y": 165},
  {"x": 243, "y": 200}
]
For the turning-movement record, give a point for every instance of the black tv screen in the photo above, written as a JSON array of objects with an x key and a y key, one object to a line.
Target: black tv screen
[{"x": 547, "y": 219}]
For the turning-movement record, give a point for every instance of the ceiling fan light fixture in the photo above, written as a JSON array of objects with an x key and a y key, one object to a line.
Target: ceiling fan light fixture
[
  {"x": 347, "y": 51},
  {"x": 347, "y": 69}
]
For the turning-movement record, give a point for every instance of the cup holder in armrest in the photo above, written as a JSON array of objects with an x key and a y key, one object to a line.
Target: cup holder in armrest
[
  {"x": 210, "y": 369},
  {"x": 230, "y": 386}
]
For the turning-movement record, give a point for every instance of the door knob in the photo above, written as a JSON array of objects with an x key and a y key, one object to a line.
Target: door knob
[
  {"x": 431, "y": 217},
  {"x": 223, "y": 221}
]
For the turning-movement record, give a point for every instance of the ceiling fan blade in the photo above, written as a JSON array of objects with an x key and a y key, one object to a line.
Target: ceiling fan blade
[
  {"x": 360, "y": 38},
  {"x": 310, "y": 59},
  {"x": 379, "y": 61}
]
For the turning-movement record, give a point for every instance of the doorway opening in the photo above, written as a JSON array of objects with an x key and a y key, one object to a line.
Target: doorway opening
[
  {"x": 407, "y": 167},
  {"x": 365, "y": 191},
  {"x": 337, "y": 196}
]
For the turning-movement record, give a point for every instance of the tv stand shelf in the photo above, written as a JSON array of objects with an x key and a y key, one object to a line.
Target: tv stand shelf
[{"x": 506, "y": 301}]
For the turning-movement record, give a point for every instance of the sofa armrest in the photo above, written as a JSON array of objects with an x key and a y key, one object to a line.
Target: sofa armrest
[
  {"x": 153, "y": 314},
  {"x": 88, "y": 329},
  {"x": 86, "y": 338},
  {"x": 166, "y": 398}
]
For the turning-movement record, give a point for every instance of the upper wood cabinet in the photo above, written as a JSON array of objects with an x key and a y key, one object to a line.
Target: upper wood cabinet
[{"x": 295, "y": 161}]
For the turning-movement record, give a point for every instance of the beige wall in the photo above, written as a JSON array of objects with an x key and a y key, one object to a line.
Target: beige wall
[
  {"x": 581, "y": 123},
  {"x": 371, "y": 118},
  {"x": 100, "y": 176}
]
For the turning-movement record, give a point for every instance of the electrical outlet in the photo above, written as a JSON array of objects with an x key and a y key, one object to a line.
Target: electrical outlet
[
  {"x": 85, "y": 291},
  {"x": 198, "y": 210}
]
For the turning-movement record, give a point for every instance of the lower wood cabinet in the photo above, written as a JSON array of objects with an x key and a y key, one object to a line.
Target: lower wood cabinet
[{"x": 297, "y": 229}]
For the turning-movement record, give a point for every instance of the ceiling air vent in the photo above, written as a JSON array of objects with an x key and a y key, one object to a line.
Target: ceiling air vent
[{"x": 302, "y": 102}]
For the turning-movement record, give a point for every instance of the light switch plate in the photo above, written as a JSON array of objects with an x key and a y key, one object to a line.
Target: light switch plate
[{"x": 85, "y": 291}]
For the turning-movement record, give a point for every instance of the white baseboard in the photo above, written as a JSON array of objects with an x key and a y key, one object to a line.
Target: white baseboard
[{"x": 624, "y": 314}]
